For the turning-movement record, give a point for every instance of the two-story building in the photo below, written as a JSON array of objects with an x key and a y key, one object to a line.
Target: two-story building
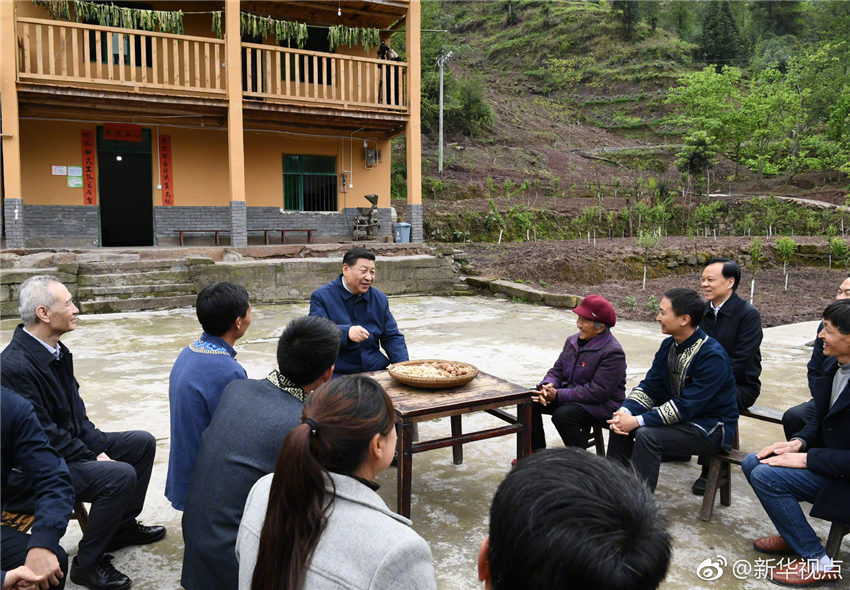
[{"x": 231, "y": 116}]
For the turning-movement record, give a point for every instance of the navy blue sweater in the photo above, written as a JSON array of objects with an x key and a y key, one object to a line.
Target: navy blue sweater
[{"x": 24, "y": 446}]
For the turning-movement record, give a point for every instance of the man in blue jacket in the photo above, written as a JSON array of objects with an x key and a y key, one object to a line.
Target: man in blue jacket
[
  {"x": 199, "y": 375},
  {"x": 24, "y": 446},
  {"x": 814, "y": 466},
  {"x": 362, "y": 314},
  {"x": 686, "y": 404}
]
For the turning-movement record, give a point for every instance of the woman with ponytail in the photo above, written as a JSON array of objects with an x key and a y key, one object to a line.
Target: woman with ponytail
[{"x": 317, "y": 521}]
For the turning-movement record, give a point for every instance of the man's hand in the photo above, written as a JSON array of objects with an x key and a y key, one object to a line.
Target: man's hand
[
  {"x": 21, "y": 578},
  {"x": 545, "y": 395},
  {"x": 103, "y": 457},
  {"x": 780, "y": 448},
  {"x": 43, "y": 563},
  {"x": 792, "y": 460},
  {"x": 622, "y": 422},
  {"x": 357, "y": 333}
]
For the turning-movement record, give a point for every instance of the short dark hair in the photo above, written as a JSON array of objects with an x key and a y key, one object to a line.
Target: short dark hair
[
  {"x": 307, "y": 348},
  {"x": 356, "y": 254},
  {"x": 565, "y": 518},
  {"x": 686, "y": 302},
  {"x": 838, "y": 314},
  {"x": 218, "y": 305},
  {"x": 731, "y": 270}
]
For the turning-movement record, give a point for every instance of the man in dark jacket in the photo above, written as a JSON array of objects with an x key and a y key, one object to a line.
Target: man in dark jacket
[
  {"x": 686, "y": 403},
  {"x": 588, "y": 381},
  {"x": 814, "y": 466},
  {"x": 794, "y": 419},
  {"x": 109, "y": 469},
  {"x": 736, "y": 325},
  {"x": 362, "y": 314},
  {"x": 24, "y": 447}
]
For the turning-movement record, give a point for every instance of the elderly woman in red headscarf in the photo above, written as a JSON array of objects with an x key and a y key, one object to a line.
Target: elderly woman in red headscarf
[{"x": 588, "y": 381}]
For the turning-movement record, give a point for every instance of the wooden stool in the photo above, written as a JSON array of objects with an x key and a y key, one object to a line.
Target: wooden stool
[
  {"x": 23, "y": 522},
  {"x": 594, "y": 438}
]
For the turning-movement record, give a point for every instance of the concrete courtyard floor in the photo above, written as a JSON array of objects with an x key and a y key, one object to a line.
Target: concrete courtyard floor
[{"x": 123, "y": 361}]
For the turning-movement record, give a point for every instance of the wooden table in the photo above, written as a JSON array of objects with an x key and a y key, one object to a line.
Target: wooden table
[{"x": 484, "y": 393}]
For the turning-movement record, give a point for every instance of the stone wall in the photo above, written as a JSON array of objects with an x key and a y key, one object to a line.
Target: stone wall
[{"x": 294, "y": 279}]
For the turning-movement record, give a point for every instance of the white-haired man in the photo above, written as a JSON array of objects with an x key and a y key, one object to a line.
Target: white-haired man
[{"x": 109, "y": 469}]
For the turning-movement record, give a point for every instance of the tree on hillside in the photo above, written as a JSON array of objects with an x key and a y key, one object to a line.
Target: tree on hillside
[
  {"x": 696, "y": 157},
  {"x": 777, "y": 17},
  {"x": 719, "y": 41},
  {"x": 628, "y": 12},
  {"x": 710, "y": 101}
]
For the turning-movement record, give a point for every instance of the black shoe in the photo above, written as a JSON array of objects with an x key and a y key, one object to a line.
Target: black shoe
[
  {"x": 135, "y": 534},
  {"x": 102, "y": 576},
  {"x": 698, "y": 489}
]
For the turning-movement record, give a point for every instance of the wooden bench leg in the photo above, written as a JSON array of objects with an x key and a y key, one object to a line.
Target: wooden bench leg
[
  {"x": 309, "y": 236},
  {"x": 216, "y": 238},
  {"x": 181, "y": 237},
  {"x": 836, "y": 533},
  {"x": 266, "y": 236},
  {"x": 81, "y": 514},
  {"x": 283, "y": 236},
  {"x": 714, "y": 474}
]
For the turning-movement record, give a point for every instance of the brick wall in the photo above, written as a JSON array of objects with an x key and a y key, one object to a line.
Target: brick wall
[
  {"x": 58, "y": 225},
  {"x": 329, "y": 225}
]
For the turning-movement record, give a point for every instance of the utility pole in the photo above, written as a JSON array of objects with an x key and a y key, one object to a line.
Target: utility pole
[{"x": 440, "y": 62}]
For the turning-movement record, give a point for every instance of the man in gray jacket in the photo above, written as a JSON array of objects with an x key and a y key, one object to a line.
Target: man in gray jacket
[{"x": 241, "y": 445}]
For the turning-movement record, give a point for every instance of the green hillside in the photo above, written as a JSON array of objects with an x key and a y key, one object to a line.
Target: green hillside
[{"x": 557, "y": 119}]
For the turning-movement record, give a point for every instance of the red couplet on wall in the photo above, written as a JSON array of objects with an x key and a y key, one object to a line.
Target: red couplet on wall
[
  {"x": 122, "y": 132},
  {"x": 165, "y": 170},
  {"x": 89, "y": 175}
]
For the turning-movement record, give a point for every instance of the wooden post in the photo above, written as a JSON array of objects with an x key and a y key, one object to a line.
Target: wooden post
[
  {"x": 11, "y": 127},
  {"x": 235, "y": 139},
  {"x": 414, "y": 130}
]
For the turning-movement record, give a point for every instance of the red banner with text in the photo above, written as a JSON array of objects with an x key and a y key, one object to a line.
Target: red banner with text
[
  {"x": 89, "y": 175},
  {"x": 166, "y": 179},
  {"x": 122, "y": 132}
]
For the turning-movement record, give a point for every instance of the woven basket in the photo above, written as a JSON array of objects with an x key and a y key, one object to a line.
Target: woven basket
[{"x": 432, "y": 382}]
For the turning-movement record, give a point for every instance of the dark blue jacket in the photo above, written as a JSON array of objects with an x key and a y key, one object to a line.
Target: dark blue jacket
[
  {"x": 706, "y": 397},
  {"x": 370, "y": 310},
  {"x": 29, "y": 369},
  {"x": 737, "y": 328},
  {"x": 24, "y": 446},
  {"x": 828, "y": 446}
]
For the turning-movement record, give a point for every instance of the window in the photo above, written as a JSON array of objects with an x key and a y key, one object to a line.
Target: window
[
  {"x": 317, "y": 40},
  {"x": 118, "y": 40},
  {"x": 309, "y": 183}
]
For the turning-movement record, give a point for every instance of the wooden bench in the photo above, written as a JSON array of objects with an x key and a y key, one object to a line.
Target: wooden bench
[
  {"x": 23, "y": 522},
  {"x": 283, "y": 233},
  {"x": 217, "y": 233},
  {"x": 595, "y": 439},
  {"x": 720, "y": 472}
]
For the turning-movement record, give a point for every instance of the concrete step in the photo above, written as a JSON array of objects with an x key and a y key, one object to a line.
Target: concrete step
[
  {"x": 102, "y": 267},
  {"x": 127, "y": 278},
  {"x": 137, "y": 304},
  {"x": 163, "y": 290}
]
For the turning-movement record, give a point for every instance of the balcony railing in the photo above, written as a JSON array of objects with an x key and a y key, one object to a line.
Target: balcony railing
[
  {"x": 91, "y": 55},
  {"x": 313, "y": 77},
  {"x": 141, "y": 61}
]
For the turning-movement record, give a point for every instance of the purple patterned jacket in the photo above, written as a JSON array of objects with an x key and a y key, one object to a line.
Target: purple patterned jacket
[{"x": 594, "y": 376}]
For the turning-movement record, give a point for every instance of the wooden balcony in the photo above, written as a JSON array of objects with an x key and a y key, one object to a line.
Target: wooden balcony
[{"x": 131, "y": 63}]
